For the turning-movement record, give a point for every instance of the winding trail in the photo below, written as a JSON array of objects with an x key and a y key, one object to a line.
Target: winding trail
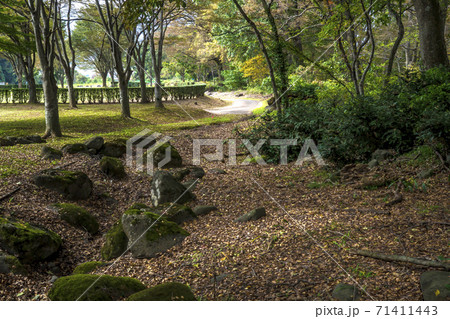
[{"x": 239, "y": 106}]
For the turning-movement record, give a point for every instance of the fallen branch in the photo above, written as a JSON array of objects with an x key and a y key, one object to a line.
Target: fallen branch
[
  {"x": 9, "y": 194},
  {"x": 385, "y": 257},
  {"x": 442, "y": 160}
]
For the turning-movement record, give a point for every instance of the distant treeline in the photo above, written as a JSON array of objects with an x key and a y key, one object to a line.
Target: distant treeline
[{"x": 104, "y": 95}]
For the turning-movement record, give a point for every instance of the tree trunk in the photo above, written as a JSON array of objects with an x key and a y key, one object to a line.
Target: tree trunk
[
  {"x": 431, "y": 19},
  {"x": 398, "y": 40},
  {"x": 31, "y": 89},
  {"x": 104, "y": 75},
  {"x": 52, "y": 126},
  {"x": 158, "y": 90},
  {"x": 71, "y": 93},
  {"x": 124, "y": 98},
  {"x": 144, "y": 97},
  {"x": 113, "y": 83}
]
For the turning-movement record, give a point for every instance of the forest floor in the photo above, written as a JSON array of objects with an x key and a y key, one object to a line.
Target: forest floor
[{"x": 300, "y": 251}]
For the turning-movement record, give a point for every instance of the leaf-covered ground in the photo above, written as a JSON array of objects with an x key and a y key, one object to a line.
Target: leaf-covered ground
[{"x": 299, "y": 251}]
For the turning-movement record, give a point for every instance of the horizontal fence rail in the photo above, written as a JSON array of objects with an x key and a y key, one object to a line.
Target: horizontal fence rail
[{"x": 105, "y": 95}]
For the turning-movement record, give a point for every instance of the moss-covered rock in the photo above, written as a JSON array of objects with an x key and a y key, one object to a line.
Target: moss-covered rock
[
  {"x": 86, "y": 287},
  {"x": 160, "y": 234},
  {"x": 116, "y": 148},
  {"x": 6, "y": 142},
  {"x": 204, "y": 210},
  {"x": 175, "y": 213},
  {"x": 77, "y": 217},
  {"x": 89, "y": 267},
  {"x": 139, "y": 206},
  {"x": 74, "y": 148},
  {"x": 28, "y": 243},
  {"x": 73, "y": 185},
  {"x": 112, "y": 167},
  {"x": 159, "y": 154},
  {"x": 346, "y": 292},
  {"x": 50, "y": 153},
  {"x": 170, "y": 291},
  {"x": 166, "y": 189},
  {"x": 10, "y": 264},
  {"x": 435, "y": 285},
  {"x": 116, "y": 242},
  {"x": 95, "y": 143}
]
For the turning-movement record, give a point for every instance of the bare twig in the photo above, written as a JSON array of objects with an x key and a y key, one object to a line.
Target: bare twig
[{"x": 9, "y": 194}]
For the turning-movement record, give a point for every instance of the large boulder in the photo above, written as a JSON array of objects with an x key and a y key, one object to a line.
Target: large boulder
[
  {"x": 149, "y": 233},
  {"x": 113, "y": 167},
  {"x": 85, "y": 287},
  {"x": 10, "y": 264},
  {"x": 165, "y": 189},
  {"x": 89, "y": 267},
  {"x": 77, "y": 216},
  {"x": 35, "y": 139},
  {"x": 116, "y": 242},
  {"x": 345, "y": 292},
  {"x": 73, "y": 185},
  {"x": 159, "y": 154},
  {"x": 172, "y": 212},
  {"x": 252, "y": 215},
  {"x": 49, "y": 153},
  {"x": 169, "y": 291},
  {"x": 382, "y": 155},
  {"x": 28, "y": 243},
  {"x": 435, "y": 285},
  {"x": 6, "y": 142},
  {"x": 95, "y": 143},
  {"x": 74, "y": 148},
  {"x": 116, "y": 148}
]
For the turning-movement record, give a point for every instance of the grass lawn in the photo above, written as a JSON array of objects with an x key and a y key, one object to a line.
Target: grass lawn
[{"x": 103, "y": 119}]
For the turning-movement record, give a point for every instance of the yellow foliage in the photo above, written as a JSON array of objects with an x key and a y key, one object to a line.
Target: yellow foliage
[{"x": 256, "y": 68}]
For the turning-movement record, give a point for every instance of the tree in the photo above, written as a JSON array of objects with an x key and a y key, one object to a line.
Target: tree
[
  {"x": 140, "y": 54},
  {"x": 111, "y": 14},
  {"x": 431, "y": 17}
]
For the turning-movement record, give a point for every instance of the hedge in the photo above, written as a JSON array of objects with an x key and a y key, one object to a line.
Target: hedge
[{"x": 105, "y": 95}]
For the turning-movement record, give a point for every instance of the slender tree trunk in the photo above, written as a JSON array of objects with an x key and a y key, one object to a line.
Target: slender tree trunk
[
  {"x": 104, "y": 75},
  {"x": 158, "y": 90},
  {"x": 400, "y": 35},
  {"x": 124, "y": 98},
  {"x": 431, "y": 17},
  {"x": 113, "y": 83},
  {"x": 71, "y": 93},
  {"x": 52, "y": 126},
  {"x": 144, "y": 97},
  {"x": 31, "y": 89}
]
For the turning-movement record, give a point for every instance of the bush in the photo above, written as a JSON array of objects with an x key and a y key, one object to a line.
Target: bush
[{"x": 234, "y": 79}]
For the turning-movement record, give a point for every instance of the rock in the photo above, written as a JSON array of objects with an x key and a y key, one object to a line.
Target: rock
[
  {"x": 87, "y": 287},
  {"x": 217, "y": 171},
  {"x": 116, "y": 242},
  {"x": 53, "y": 279},
  {"x": 426, "y": 174},
  {"x": 6, "y": 142},
  {"x": 95, "y": 143},
  {"x": 113, "y": 167},
  {"x": 253, "y": 215},
  {"x": 345, "y": 292},
  {"x": 159, "y": 154},
  {"x": 89, "y": 267},
  {"x": 204, "y": 210},
  {"x": 180, "y": 174},
  {"x": 373, "y": 163},
  {"x": 114, "y": 149},
  {"x": 190, "y": 184},
  {"x": 73, "y": 185},
  {"x": 382, "y": 155},
  {"x": 26, "y": 242},
  {"x": 169, "y": 291},
  {"x": 49, "y": 153},
  {"x": 239, "y": 94},
  {"x": 173, "y": 212},
  {"x": 74, "y": 148},
  {"x": 10, "y": 264},
  {"x": 160, "y": 234},
  {"x": 23, "y": 141},
  {"x": 165, "y": 189},
  {"x": 435, "y": 285},
  {"x": 77, "y": 216},
  {"x": 197, "y": 172},
  {"x": 35, "y": 139}
]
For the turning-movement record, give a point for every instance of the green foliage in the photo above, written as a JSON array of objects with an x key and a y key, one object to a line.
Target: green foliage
[
  {"x": 233, "y": 79},
  {"x": 88, "y": 267}
]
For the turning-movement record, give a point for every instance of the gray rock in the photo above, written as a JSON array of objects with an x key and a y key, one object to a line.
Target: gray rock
[
  {"x": 435, "y": 285},
  {"x": 346, "y": 292},
  {"x": 35, "y": 139},
  {"x": 253, "y": 215},
  {"x": 73, "y": 185},
  {"x": 190, "y": 184},
  {"x": 197, "y": 172},
  {"x": 50, "y": 153},
  {"x": 172, "y": 212},
  {"x": 373, "y": 163},
  {"x": 426, "y": 173},
  {"x": 23, "y": 141},
  {"x": 28, "y": 243},
  {"x": 165, "y": 189},
  {"x": 10, "y": 264},
  {"x": 6, "y": 142},
  {"x": 217, "y": 171},
  {"x": 159, "y": 233},
  {"x": 113, "y": 167},
  {"x": 382, "y": 155},
  {"x": 95, "y": 143},
  {"x": 74, "y": 148},
  {"x": 180, "y": 174},
  {"x": 116, "y": 242},
  {"x": 77, "y": 216},
  {"x": 53, "y": 279},
  {"x": 204, "y": 210},
  {"x": 159, "y": 154},
  {"x": 114, "y": 149},
  {"x": 92, "y": 152}
]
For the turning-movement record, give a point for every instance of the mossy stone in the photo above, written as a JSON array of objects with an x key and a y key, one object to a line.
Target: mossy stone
[
  {"x": 74, "y": 148},
  {"x": 116, "y": 148},
  {"x": 346, "y": 292},
  {"x": 10, "y": 264},
  {"x": 171, "y": 291},
  {"x": 116, "y": 242},
  {"x": 112, "y": 167},
  {"x": 159, "y": 154},
  {"x": 139, "y": 206},
  {"x": 175, "y": 213},
  {"x": 85, "y": 287},
  {"x": 77, "y": 217},
  {"x": 88, "y": 267},
  {"x": 28, "y": 243},
  {"x": 49, "y": 153},
  {"x": 252, "y": 215}
]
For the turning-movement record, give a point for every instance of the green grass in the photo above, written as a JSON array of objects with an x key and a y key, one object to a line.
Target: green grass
[
  {"x": 103, "y": 119},
  {"x": 260, "y": 110}
]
